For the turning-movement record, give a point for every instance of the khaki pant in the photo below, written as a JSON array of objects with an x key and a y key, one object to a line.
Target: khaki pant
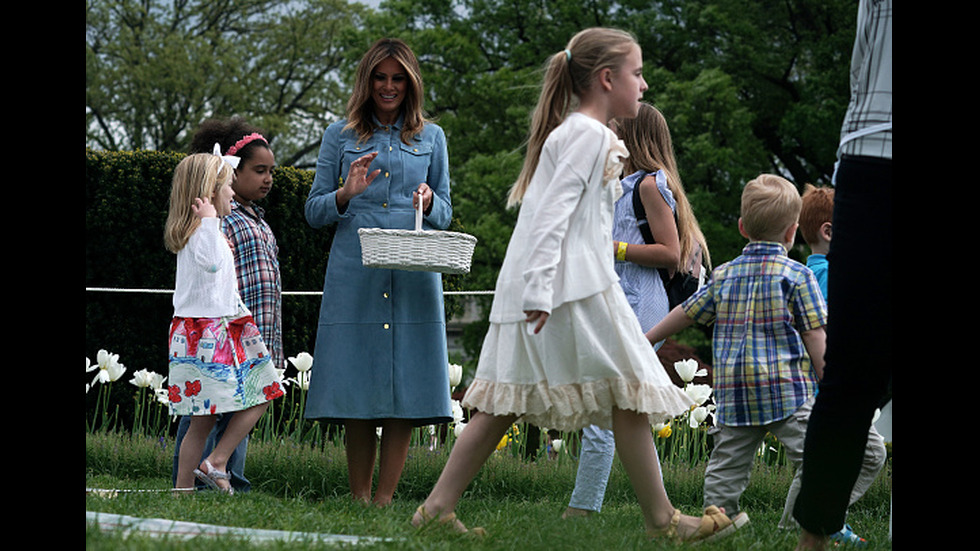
[{"x": 734, "y": 453}]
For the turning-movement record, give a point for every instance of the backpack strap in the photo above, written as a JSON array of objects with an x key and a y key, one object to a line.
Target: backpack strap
[
  {"x": 641, "y": 215},
  {"x": 644, "y": 225}
]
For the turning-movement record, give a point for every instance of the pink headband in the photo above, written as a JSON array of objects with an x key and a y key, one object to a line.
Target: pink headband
[{"x": 245, "y": 141}]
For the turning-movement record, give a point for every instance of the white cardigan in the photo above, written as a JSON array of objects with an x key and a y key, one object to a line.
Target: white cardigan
[
  {"x": 561, "y": 249},
  {"x": 206, "y": 285}
]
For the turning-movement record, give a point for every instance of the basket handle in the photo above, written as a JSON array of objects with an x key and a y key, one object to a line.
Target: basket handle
[{"x": 418, "y": 214}]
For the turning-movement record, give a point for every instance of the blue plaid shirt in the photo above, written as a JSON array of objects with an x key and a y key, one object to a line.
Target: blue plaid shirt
[
  {"x": 257, "y": 266},
  {"x": 760, "y": 303}
]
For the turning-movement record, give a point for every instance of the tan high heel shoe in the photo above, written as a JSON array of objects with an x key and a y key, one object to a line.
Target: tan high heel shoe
[{"x": 450, "y": 521}]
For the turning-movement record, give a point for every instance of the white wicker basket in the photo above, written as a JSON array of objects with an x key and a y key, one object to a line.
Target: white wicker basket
[{"x": 419, "y": 250}]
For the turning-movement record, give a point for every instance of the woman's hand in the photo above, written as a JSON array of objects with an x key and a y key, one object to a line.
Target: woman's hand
[
  {"x": 358, "y": 179},
  {"x": 203, "y": 208},
  {"x": 424, "y": 192},
  {"x": 536, "y": 315}
]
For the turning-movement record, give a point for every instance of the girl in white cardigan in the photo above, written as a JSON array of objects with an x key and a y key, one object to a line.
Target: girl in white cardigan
[
  {"x": 564, "y": 348},
  {"x": 218, "y": 361}
]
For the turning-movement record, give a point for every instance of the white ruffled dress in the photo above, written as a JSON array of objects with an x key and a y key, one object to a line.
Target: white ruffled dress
[{"x": 591, "y": 356}]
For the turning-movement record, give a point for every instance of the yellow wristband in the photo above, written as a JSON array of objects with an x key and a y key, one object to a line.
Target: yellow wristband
[{"x": 621, "y": 250}]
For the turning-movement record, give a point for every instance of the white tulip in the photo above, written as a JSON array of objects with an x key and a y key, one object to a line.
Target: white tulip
[
  {"x": 698, "y": 393},
  {"x": 688, "y": 370},
  {"x": 699, "y": 414},
  {"x": 457, "y": 411},
  {"x": 455, "y": 375},
  {"x": 162, "y": 395},
  {"x": 110, "y": 369},
  {"x": 302, "y": 362},
  {"x": 556, "y": 444},
  {"x": 458, "y": 429},
  {"x": 302, "y": 380},
  {"x": 147, "y": 379}
]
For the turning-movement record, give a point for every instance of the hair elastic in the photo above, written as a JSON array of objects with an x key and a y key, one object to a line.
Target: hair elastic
[
  {"x": 568, "y": 54},
  {"x": 245, "y": 141}
]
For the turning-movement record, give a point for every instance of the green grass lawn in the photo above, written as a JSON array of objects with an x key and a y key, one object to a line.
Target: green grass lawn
[{"x": 299, "y": 488}]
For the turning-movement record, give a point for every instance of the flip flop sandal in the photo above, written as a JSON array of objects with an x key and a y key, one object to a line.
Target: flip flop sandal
[{"x": 212, "y": 476}]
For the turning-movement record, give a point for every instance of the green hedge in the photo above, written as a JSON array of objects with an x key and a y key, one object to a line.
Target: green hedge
[{"x": 126, "y": 196}]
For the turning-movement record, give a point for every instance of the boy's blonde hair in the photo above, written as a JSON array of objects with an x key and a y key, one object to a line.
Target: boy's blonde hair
[
  {"x": 770, "y": 205},
  {"x": 817, "y": 209},
  {"x": 198, "y": 175},
  {"x": 568, "y": 74}
]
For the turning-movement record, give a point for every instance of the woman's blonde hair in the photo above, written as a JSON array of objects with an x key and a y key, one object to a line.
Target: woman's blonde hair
[
  {"x": 360, "y": 106},
  {"x": 198, "y": 175},
  {"x": 567, "y": 75},
  {"x": 770, "y": 205},
  {"x": 647, "y": 138}
]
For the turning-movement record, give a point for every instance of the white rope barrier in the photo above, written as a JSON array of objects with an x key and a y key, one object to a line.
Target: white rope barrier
[
  {"x": 158, "y": 527},
  {"x": 294, "y": 293}
]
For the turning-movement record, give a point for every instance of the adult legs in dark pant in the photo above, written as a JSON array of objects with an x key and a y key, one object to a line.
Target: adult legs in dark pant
[
  {"x": 236, "y": 464},
  {"x": 859, "y": 347}
]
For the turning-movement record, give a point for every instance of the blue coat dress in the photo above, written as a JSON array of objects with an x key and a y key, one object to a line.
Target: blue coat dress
[{"x": 381, "y": 340}]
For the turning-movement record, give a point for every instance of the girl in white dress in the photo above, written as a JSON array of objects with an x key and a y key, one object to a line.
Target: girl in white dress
[{"x": 564, "y": 348}]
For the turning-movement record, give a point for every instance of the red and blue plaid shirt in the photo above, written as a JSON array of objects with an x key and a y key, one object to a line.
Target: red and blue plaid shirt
[
  {"x": 257, "y": 266},
  {"x": 760, "y": 303}
]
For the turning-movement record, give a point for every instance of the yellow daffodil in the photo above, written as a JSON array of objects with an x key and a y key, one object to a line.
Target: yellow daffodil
[
  {"x": 503, "y": 442},
  {"x": 662, "y": 430}
]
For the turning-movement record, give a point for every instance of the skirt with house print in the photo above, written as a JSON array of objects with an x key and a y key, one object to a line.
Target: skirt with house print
[{"x": 219, "y": 365}]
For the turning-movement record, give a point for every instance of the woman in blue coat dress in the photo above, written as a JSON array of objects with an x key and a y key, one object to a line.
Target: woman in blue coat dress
[{"x": 380, "y": 358}]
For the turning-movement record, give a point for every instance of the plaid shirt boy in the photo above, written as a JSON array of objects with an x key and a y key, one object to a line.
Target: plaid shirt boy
[
  {"x": 760, "y": 303},
  {"x": 257, "y": 265}
]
